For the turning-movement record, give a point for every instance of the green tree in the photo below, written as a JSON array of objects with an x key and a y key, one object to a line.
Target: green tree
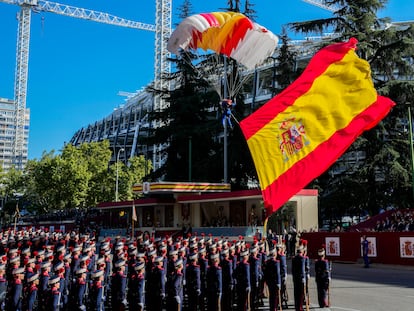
[
  {"x": 12, "y": 188},
  {"x": 188, "y": 126},
  {"x": 57, "y": 182},
  {"x": 96, "y": 156},
  {"x": 389, "y": 51},
  {"x": 185, "y": 10},
  {"x": 286, "y": 71},
  {"x": 77, "y": 178},
  {"x": 128, "y": 175},
  {"x": 235, "y": 6}
]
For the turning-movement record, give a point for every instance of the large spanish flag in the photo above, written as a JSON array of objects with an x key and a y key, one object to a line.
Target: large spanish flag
[{"x": 300, "y": 132}]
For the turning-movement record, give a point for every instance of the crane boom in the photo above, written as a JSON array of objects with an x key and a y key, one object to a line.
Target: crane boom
[
  {"x": 87, "y": 14},
  {"x": 23, "y": 44},
  {"x": 322, "y": 4}
]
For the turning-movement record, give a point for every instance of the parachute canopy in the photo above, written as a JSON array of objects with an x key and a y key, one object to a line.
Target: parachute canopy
[{"x": 228, "y": 33}]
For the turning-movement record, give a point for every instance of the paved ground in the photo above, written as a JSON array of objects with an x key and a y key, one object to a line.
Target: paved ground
[{"x": 353, "y": 288}]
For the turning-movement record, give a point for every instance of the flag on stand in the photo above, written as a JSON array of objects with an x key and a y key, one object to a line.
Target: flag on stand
[
  {"x": 134, "y": 212},
  {"x": 300, "y": 132}
]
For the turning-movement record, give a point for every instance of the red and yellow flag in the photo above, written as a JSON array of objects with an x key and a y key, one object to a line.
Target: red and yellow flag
[{"x": 300, "y": 132}]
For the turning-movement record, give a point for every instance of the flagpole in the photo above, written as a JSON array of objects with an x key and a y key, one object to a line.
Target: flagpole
[
  {"x": 16, "y": 214},
  {"x": 225, "y": 95},
  {"x": 133, "y": 219},
  {"x": 132, "y": 229}
]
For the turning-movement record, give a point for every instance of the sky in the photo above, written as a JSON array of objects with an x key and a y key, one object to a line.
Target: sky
[{"x": 78, "y": 67}]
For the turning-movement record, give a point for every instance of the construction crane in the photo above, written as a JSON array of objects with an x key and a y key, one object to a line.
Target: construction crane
[
  {"x": 162, "y": 30},
  {"x": 322, "y": 4}
]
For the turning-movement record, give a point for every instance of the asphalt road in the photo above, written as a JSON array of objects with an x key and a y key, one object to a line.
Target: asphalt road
[{"x": 355, "y": 288}]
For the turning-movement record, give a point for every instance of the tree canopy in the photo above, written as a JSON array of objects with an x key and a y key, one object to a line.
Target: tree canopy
[{"x": 79, "y": 177}]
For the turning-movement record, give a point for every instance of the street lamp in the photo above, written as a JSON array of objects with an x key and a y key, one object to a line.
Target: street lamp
[{"x": 117, "y": 174}]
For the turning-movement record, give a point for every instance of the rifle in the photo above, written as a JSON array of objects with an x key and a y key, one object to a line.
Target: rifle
[
  {"x": 307, "y": 293},
  {"x": 306, "y": 300},
  {"x": 218, "y": 303},
  {"x": 280, "y": 299},
  {"x": 329, "y": 284},
  {"x": 248, "y": 300}
]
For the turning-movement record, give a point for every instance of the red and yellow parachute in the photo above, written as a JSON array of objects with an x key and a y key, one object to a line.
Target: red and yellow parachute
[{"x": 228, "y": 33}]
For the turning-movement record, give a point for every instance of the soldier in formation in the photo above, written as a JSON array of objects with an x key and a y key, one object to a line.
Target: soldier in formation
[
  {"x": 322, "y": 278},
  {"x": 70, "y": 271}
]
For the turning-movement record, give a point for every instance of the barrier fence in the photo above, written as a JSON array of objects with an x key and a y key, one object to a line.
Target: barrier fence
[{"x": 384, "y": 247}]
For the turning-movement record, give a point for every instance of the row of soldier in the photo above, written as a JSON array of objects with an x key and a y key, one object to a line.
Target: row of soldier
[{"x": 42, "y": 271}]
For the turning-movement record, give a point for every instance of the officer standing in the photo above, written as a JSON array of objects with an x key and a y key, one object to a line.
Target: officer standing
[
  {"x": 53, "y": 294},
  {"x": 43, "y": 284},
  {"x": 227, "y": 275},
  {"x": 14, "y": 300},
  {"x": 281, "y": 256},
  {"x": 307, "y": 270},
  {"x": 30, "y": 292},
  {"x": 214, "y": 281},
  {"x": 3, "y": 286},
  {"x": 136, "y": 285},
  {"x": 68, "y": 280},
  {"x": 193, "y": 282},
  {"x": 255, "y": 264},
  {"x": 174, "y": 288},
  {"x": 299, "y": 279},
  {"x": 203, "y": 262},
  {"x": 243, "y": 281},
  {"x": 78, "y": 290},
  {"x": 365, "y": 251},
  {"x": 118, "y": 288},
  {"x": 96, "y": 292},
  {"x": 156, "y": 286},
  {"x": 322, "y": 278},
  {"x": 273, "y": 280}
]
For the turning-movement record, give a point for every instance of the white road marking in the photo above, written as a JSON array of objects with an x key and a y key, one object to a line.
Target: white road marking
[{"x": 347, "y": 309}]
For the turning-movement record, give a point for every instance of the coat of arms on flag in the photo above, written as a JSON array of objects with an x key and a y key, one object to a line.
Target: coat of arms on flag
[{"x": 314, "y": 120}]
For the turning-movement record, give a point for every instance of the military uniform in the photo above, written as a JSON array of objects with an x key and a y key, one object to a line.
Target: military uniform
[
  {"x": 136, "y": 285},
  {"x": 299, "y": 279},
  {"x": 215, "y": 285},
  {"x": 30, "y": 293},
  {"x": 53, "y": 294},
  {"x": 43, "y": 284},
  {"x": 174, "y": 288},
  {"x": 14, "y": 297},
  {"x": 273, "y": 280},
  {"x": 3, "y": 286},
  {"x": 156, "y": 286},
  {"x": 255, "y": 263},
  {"x": 96, "y": 292},
  {"x": 227, "y": 275},
  {"x": 193, "y": 283},
  {"x": 283, "y": 273},
  {"x": 78, "y": 289},
  {"x": 203, "y": 262},
  {"x": 118, "y": 287},
  {"x": 243, "y": 282},
  {"x": 322, "y": 278}
]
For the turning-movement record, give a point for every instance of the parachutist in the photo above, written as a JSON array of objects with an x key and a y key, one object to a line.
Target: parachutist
[{"x": 226, "y": 107}]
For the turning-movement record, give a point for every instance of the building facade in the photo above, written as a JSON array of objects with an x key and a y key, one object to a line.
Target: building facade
[{"x": 8, "y": 134}]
